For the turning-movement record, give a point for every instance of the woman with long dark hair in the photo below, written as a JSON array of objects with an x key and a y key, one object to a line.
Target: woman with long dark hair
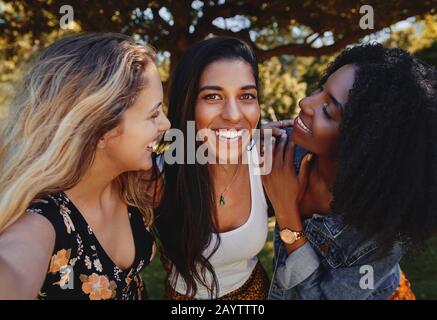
[
  {"x": 366, "y": 190},
  {"x": 212, "y": 221}
]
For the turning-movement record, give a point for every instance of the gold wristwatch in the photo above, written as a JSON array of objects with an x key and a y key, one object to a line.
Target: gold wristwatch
[{"x": 289, "y": 236}]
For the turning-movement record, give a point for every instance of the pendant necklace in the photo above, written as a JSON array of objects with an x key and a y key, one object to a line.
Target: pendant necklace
[{"x": 222, "y": 197}]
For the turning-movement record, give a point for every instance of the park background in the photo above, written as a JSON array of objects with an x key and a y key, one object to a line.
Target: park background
[{"x": 294, "y": 41}]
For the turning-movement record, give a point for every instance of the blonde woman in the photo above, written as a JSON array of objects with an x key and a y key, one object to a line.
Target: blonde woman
[{"x": 75, "y": 152}]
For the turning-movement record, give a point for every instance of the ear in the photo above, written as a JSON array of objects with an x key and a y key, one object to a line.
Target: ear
[
  {"x": 108, "y": 136},
  {"x": 101, "y": 144}
]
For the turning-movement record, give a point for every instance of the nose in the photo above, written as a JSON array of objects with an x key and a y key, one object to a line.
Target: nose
[
  {"x": 164, "y": 123},
  {"x": 307, "y": 105},
  {"x": 231, "y": 111}
]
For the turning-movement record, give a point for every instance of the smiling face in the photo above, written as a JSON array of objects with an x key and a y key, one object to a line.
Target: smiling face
[
  {"x": 317, "y": 127},
  {"x": 129, "y": 145},
  {"x": 227, "y": 107}
]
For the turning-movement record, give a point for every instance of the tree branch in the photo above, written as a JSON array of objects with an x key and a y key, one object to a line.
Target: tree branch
[{"x": 298, "y": 49}]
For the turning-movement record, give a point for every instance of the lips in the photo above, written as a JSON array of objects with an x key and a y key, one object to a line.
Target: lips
[{"x": 299, "y": 122}]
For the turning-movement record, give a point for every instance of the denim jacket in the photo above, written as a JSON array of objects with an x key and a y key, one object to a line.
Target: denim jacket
[{"x": 336, "y": 262}]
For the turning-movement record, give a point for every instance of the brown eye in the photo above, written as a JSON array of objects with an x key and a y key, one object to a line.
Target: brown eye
[
  {"x": 248, "y": 96},
  {"x": 212, "y": 96}
]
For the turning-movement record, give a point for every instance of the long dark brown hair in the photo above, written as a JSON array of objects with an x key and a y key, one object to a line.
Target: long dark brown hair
[{"x": 186, "y": 218}]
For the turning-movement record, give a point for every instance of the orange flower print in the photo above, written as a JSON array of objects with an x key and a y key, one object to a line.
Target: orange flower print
[
  {"x": 59, "y": 260},
  {"x": 98, "y": 287}
]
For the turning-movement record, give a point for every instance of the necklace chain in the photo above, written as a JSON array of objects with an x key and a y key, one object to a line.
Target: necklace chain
[{"x": 222, "y": 198}]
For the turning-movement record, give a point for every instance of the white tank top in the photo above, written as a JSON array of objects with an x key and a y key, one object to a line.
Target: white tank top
[{"x": 236, "y": 256}]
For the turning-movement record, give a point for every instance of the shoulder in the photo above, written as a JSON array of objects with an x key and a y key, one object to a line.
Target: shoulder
[
  {"x": 26, "y": 246},
  {"x": 35, "y": 219},
  {"x": 29, "y": 240},
  {"x": 343, "y": 245},
  {"x": 54, "y": 208},
  {"x": 34, "y": 227},
  {"x": 44, "y": 206}
]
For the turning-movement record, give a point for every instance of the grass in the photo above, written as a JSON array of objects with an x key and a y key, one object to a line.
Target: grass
[
  {"x": 419, "y": 267},
  {"x": 153, "y": 276}
]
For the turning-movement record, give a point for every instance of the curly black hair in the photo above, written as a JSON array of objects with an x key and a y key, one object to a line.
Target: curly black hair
[{"x": 386, "y": 179}]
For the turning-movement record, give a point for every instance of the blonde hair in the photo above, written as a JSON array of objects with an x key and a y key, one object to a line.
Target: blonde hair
[{"x": 75, "y": 92}]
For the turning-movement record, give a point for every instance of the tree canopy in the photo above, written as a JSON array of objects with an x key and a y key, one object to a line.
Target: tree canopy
[
  {"x": 294, "y": 40},
  {"x": 275, "y": 27}
]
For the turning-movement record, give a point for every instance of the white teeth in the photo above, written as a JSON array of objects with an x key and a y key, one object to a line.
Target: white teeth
[
  {"x": 302, "y": 125},
  {"x": 229, "y": 134}
]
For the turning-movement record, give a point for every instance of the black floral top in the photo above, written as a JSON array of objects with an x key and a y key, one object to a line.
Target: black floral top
[{"x": 79, "y": 267}]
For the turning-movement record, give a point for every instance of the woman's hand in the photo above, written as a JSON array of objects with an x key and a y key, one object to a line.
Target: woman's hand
[
  {"x": 284, "y": 188},
  {"x": 274, "y": 129},
  {"x": 277, "y": 126}
]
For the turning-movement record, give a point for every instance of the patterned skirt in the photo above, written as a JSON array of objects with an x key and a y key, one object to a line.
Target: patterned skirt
[{"x": 255, "y": 288}]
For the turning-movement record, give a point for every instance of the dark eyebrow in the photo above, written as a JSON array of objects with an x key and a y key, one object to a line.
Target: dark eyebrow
[
  {"x": 334, "y": 99},
  {"x": 249, "y": 86},
  {"x": 218, "y": 88}
]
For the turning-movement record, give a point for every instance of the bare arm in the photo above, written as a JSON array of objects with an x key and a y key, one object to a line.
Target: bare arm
[{"x": 25, "y": 251}]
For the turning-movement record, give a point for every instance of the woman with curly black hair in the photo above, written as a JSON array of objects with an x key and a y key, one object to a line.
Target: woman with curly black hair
[{"x": 365, "y": 190}]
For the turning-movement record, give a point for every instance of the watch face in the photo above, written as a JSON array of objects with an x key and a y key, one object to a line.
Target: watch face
[{"x": 288, "y": 236}]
